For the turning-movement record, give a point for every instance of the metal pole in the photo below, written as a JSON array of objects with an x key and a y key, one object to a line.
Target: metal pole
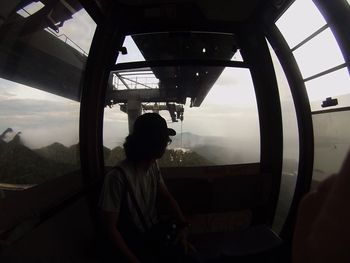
[{"x": 133, "y": 110}]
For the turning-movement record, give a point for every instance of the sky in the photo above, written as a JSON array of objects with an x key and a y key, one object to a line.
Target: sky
[{"x": 229, "y": 109}]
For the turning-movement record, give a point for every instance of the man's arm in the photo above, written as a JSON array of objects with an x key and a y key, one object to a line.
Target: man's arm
[
  {"x": 108, "y": 220},
  {"x": 183, "y": 233},
  {"x": 169, "y": 199}
]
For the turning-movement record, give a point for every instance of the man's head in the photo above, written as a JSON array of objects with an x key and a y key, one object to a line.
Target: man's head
[
  {"x": 149, "y": 138},
  {"x": 150, "y": 124}
]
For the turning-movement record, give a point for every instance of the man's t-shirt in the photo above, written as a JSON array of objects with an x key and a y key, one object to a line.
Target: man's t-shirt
[{"x": 144, "y": 185}]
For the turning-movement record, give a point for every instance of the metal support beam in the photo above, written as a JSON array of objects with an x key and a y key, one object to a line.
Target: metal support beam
[
  {"x": 134, "y": 110},
  {"x": 179, "y": 62},
  {"x": 255, "y": 52},
  {"x": 304, "y": 119},
  {"x": 145, "y": 95},
  {"x": 101, "y": 58}
]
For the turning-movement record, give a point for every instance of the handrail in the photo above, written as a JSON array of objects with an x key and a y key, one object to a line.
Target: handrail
[
  {"x": 61, "y": 35},
  {"x": 67, "y": 38}
]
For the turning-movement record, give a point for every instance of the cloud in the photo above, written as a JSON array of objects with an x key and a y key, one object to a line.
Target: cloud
[
  {"x": 233, "y": 88},
  {"x": 80, "y": 29},
  {"x": 6, "y": 95},
  {"x": 115, "y": 127},
  {"x": 41, "y": 122}
]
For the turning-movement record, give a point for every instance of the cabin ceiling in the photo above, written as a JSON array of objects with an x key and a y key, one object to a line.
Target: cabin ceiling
[
  {"x": 237, "y": 10},
  {"x": 183, "y": 30},
  {"x": 179, "y": 82}
]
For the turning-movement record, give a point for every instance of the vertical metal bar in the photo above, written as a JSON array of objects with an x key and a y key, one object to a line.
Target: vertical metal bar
[
  {"x": 102, "y": 56},
  {"x": 255, "y": 52},
  {"x": 305, "y": 127}
]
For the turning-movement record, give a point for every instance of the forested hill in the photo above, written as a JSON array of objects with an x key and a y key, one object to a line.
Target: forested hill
[
  {"x": 21, "y": 165},
  {"x": 172, "y": 157},
  {"x": 60, "y": 153},
  {"x": 182, "y": 157}
]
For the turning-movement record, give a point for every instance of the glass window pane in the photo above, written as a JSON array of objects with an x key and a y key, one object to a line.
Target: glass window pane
[
  {"x": 115, "y": 130},
  {"x": 40, "y": 85},
  {"x": 300, "y": 20},
  {"x": 237, "y": 56},
  {"x": 223, "y": 130},
  {"x": 30, "y": 9},
  {"x": 133, "y": 52},
  {"x": 290, "y": 146},
  {"x": 77, "y": 32},
  {"x": 335, "y": 85},
  {"x": 319, "y": 54}
]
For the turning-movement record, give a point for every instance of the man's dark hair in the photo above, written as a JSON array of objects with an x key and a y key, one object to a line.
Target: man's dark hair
[
  {"x": 140, "y": 148},
  {"x": 149, "y": 138}
]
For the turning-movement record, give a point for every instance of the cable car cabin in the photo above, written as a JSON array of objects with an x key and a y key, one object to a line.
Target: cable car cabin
[{"x": 258, "y": 92}]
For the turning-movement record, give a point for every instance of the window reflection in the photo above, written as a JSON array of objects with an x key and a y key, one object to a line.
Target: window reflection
[
  {"x": 39, "y": 138},
  {"x": 40, "y": 86}
]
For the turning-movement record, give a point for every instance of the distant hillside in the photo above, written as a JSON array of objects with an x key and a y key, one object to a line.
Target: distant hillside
[
  {"x": 189, "y": 140},
  {"x": 218, "y": 154},
  {"x": 2, "y": 145},
  {"x": 218, "y": 150},
  {"x": 20, "y": 165},
  {"x": 172, "y": 157},
  {"x": 60, "y": 153},
  {"x": 180, "y": 157},
  {"x": 116, "y": 155}
]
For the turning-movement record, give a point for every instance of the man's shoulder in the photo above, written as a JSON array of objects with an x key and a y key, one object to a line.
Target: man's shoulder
[{"x": 117, "y": 173}]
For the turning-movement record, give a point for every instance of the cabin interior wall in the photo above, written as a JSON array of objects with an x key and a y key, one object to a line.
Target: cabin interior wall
[
  {"x": 221, "y": 191},
  {"x": 68, "y": 236}
]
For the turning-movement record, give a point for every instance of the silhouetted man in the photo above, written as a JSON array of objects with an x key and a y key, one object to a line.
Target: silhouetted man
[{"x": 130, "y": 191}]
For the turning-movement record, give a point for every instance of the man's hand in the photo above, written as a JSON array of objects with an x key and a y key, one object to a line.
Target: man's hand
[
  {"x": 108, "y": 221},
  {"x": 182, "y": 239}
]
